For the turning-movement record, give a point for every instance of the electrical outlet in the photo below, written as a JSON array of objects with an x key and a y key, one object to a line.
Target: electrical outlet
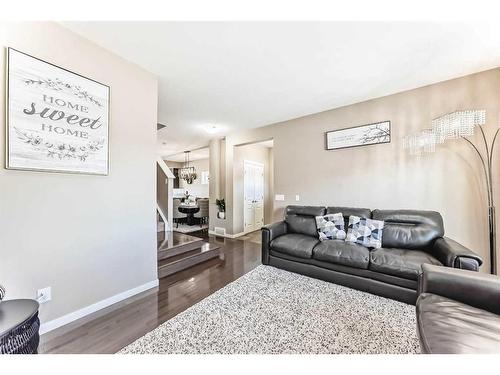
[
  {"x": 44, "y": 295},
  {"x": 297, "y": 198},
  {"x": 279, "y": 197}
]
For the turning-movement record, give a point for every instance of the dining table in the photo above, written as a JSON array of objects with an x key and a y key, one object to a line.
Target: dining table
[{"x": 189, "y": 210}]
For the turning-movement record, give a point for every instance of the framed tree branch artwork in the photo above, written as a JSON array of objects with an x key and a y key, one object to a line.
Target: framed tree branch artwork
[
  {"x": 363, "y": 135},
  {"x": 57, "y": 120}
]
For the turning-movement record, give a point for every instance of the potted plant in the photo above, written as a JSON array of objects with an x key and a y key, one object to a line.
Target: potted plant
[{"x": 221, "y": 204}]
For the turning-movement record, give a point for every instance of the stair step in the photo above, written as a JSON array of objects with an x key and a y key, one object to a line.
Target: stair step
[
  {"x": 188, "y": 259},
  {"x": 164, "y": 253}
]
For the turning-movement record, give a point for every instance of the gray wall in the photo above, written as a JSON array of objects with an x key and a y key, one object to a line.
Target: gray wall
[
  {"x": 385, "y": 176},
  {"x": 88, "y": 237}
]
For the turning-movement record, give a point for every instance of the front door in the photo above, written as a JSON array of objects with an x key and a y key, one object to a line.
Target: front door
[{"x": 254, "y": 196}]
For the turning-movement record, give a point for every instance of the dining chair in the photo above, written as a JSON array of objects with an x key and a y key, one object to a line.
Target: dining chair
[
  {"x": 202, "y": 214},
  {"x": 177, "y": 215}
]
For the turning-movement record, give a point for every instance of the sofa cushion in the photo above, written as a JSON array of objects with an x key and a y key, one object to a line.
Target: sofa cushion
[
  {"x": 400, "y": 262},
  {"x": 341, "y": 252},
  {"x": 362, "y": 272},
  {"x": 298, "y": 245},
  {"x": 410, "y": 229},
  {"x": 446, "y": 326},
  {"x": 302, "y": 219}
]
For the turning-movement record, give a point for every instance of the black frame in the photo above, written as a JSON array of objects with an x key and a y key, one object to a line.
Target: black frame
[{"x": 354, "y": 127}]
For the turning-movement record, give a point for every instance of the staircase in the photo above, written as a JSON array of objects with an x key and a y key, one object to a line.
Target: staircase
[
  {"x": 160, "y": 224},
  {"x": 182, "y": 251}
]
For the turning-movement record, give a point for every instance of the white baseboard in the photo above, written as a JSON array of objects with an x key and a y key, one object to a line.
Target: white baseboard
[
  {"x": 238, "y": 234},
  {"x": 71, "y": 317},
  {"x": 226, "y": 235}
]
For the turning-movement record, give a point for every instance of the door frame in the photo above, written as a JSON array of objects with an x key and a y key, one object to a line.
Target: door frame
[{"x": 257, "y": 164}]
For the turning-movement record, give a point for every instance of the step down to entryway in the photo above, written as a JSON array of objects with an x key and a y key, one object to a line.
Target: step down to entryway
[
  {"x": 165, "y": 252},
  {"x": 172, "y": 264}
]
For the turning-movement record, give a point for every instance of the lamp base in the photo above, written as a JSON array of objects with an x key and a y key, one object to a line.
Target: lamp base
[{"x": 492, "y": 238}]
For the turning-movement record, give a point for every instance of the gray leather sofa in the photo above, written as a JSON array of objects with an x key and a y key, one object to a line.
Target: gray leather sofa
[
  {"x": 458, "y": 311},
  {"x": 410, "y": 238}
]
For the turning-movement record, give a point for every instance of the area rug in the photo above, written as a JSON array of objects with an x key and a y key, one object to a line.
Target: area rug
[
  {"x": 269, "y": 310},
  {"x": 184, "y": 228}
]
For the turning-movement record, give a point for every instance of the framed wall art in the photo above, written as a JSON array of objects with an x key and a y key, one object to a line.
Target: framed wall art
[
  {"x": 57, "y": 120},
  {"x": 363, "y": 135}
]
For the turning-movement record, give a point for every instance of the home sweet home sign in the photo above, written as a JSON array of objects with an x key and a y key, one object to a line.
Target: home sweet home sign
[{"x": 57, "y": 120}]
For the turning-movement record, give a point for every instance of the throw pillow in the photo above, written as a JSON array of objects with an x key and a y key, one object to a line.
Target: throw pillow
[
  {"x": 366, "y": 232},
  {"x": 331, "y": 227}
]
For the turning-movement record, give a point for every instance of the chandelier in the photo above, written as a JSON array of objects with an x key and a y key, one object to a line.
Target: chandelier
[
  {"x": 187, "y": 173},
  {"x": 460, "y": 125}
]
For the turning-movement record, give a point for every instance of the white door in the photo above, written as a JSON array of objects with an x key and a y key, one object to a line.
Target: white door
[{"x": 254, "y": 196}]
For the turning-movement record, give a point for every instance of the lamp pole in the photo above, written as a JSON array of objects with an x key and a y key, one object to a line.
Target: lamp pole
[
  {"x": 486, "y": 162},
  {"x": 461, "y": 124}
]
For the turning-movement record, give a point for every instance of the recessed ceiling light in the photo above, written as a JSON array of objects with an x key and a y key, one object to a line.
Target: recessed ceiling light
[{"x": 212, "y": 130}]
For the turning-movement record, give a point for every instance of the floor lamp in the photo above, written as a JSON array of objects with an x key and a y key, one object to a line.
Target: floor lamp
[{"x": 460, "y": 125}]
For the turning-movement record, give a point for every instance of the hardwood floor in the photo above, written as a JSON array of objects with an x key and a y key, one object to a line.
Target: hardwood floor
[{"x": 109, "y": 330}]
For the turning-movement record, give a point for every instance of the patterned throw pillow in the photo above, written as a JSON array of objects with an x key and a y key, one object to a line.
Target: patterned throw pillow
[
  {"x": 366, "y": 232},
  {"x": 331, "y": 227}
]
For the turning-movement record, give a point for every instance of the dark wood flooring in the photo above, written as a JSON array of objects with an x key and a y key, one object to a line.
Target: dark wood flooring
[{"x": 109, "y": 330}]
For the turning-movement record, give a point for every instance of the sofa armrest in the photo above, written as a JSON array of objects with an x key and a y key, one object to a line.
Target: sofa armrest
[
  {"x": 453, "y": 254},
  {"x": 269, "y": 233},
  {"x": 472, "y": 288}
]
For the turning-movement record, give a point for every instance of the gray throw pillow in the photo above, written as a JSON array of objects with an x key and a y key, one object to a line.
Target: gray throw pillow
[
  {"x": 331, "y": 227},
  {"x": 366, "y": 232}
]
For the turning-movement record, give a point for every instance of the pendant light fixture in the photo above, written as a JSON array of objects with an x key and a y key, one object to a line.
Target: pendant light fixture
[{"x": 187, "y": 173}]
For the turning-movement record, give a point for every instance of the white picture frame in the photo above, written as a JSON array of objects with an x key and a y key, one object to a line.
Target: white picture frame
[
  {"x": 363, "y": 135},
  {"x": 56, "y": 120}
]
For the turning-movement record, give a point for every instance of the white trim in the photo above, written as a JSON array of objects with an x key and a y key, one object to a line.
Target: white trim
[
  {"x": 256, "y": 163},
  {"x": 165, "y": 168},
  {"x": 162, "y": 214},
  {"x": 251, "y": 231},
  {"x": 259, "y": 165},
  {"x": 71, "y": 317},
  {"x": 227, "y": 235}
]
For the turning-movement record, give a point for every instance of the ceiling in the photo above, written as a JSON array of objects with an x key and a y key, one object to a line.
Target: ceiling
[
  {"x": 199, "y": 154},
  {"x": 237, "y": 75}
]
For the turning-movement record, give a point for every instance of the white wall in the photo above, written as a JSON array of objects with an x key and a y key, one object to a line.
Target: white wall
[{"x": 88, "y": 237}]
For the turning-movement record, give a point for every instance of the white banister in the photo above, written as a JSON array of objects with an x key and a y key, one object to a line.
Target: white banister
[
  {"x": 166, "y": 210},
  {"x": 165, "y": 168}
]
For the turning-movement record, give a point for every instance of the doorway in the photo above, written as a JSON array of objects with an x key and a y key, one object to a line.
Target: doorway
[{"x": 253, "y": 196}]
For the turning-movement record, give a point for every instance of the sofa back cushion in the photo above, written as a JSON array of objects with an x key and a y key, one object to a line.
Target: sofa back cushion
[
  {"x": 348, "y": 211},
  {"x": 410, "y": 229},
  {"x": 302, "y": 219}
]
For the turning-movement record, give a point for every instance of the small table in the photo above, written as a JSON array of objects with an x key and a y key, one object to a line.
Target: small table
[
  {"x": 19, "y": 326},
  {"x": 189, "y": 211}
]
